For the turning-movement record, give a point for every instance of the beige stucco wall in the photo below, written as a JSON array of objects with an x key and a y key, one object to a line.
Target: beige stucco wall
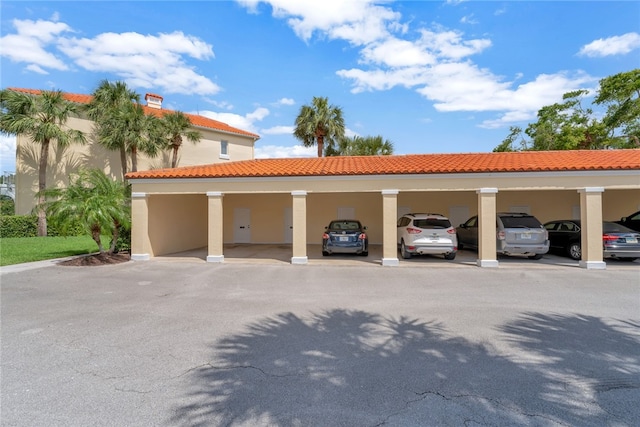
[
  {"x": 177, "y": 223},
  {"x": 64, "y": 162}
]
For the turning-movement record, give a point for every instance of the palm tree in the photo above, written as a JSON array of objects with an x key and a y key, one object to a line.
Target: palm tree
[
  {"x": 100, "y": 204},
  {"x": 43, "y": 119},
  {"x": 361, "y": 146},
  {"x": 108, "y": 100},
  {"x": 133, "y": 131},
  {"x": 319, "y": 123},
  {"x": 176, "y": 125}
]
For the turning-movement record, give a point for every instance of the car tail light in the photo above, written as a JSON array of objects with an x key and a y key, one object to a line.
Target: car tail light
[
  {"x": 609, "y": 238},
  {"x": 413, "y": 230},
  {"x": 501, "y": 235},
  {"x": 362, "y": 236},
  {"x": 325, "y": 236},
  {"x": 451, "y": 231}
]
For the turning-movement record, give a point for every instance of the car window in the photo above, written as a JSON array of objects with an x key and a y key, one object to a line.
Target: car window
[
  {"x": 520, "y": 221},
  {"x": 403, "y": 222},
  {"x": 344, "y": 225},
  {"x": 471, "y": 222},
  {"x": 551, "y": 226},
  {"x": 431, "y": 223},
  {"x": 612, "y": 227},
  {"x": 635, "y": 217}
]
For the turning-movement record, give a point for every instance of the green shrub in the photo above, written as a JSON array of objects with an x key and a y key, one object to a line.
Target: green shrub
[
  {"x": 65, "y": 229},
  {"x": 18, "y": 226},
  {"x": 123, "y": 244},
  {"x": 27, "y": 226},
  {"x": 7, "y": 206}
]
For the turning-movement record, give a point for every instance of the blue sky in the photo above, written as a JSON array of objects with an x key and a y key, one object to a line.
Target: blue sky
[{"x": 430, "y": 76}]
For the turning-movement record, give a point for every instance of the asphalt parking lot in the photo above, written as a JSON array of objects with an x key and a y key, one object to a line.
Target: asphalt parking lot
[{"x": 341, "y": 341}]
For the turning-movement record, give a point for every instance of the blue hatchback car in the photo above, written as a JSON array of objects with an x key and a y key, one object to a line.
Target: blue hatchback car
[{"x": 345, "y": 236}]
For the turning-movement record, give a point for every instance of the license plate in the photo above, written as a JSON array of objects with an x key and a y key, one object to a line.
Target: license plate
[
  {"x": 343, "y": 239},
  {"x": 632, "y": 240},
  {"x": 525, "y": 236}
]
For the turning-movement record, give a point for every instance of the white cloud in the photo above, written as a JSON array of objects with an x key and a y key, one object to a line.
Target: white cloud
[
  {"x": 29, "y": 42},
  {"x": 286, "y": 101},
  {"x": 279, "y": 151},
  {"x": 147, "y": 61},
  {"x": 7, "y": 153},
  {"x": 278, "y": 130},
  {"x": 358, "y": 22},
  {"x": 616, "y": 45},
  {"x": 246, "y": 122}
]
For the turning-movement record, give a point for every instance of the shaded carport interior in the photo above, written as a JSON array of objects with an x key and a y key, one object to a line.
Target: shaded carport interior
[{"x": 183, "y": 217}]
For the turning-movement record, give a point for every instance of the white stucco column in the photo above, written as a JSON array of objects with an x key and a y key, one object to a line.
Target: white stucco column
[
  {"x": 215, "y": 236},
  {"x": 487, "y": 227},
  {"x": 299, "y": 214},
  {"x": 389, "y": 228},
  {"x": 591, "y": 228},
  {"x": 140, "y": 242}
]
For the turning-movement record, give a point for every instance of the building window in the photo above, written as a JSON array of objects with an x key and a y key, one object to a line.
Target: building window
[{"x": 224, "y": 149}]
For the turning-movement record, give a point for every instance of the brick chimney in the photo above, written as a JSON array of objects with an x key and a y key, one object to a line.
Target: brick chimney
[{"x": 153, "y": 101}]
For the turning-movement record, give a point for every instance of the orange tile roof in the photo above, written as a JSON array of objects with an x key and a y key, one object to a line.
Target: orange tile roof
[
  {"x": 528, "y": 161},
  {"x": 195, "y": 119}
]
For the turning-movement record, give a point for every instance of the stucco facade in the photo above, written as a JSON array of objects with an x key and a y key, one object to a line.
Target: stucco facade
[
  {"x": 64, "y": 162},
  {"x": 293, "y": 210}
]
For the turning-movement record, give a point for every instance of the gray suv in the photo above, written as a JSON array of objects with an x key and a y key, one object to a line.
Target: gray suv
[{"x": 516, "y": 234}]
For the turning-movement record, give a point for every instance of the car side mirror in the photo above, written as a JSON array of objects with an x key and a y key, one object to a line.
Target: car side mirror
[
  {"x": 364, "y": 228},
  {"x": 623, "y": 219},
  {"x": 463, "y": 226},
  {"x": 326, "y": 227}
]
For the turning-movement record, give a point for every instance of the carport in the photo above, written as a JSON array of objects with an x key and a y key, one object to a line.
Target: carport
[{"x": 289, "y": 201}]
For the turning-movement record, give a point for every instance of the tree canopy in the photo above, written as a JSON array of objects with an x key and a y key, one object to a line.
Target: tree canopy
[
  {"x": 318, "y": 124},
  {"x": 94, "y": 200},
  {"x": 360, "y": 146},
  {"x": 568, "y": 125},
  {"x": 42, "y": 118}
]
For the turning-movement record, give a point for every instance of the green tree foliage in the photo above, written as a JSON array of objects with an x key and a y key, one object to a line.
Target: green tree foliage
[
  {"x": 318, "y": 124},
  {"x": 360, "y": 146},
  {"x": 121, "y": 123},
  {"x": 621, "y": 95},
  {"x": 175, "y": 125},
  {"x": 570, "y": 126},
  {"x": 42, "y": 118},
  {"x": 100, "y": 204}
]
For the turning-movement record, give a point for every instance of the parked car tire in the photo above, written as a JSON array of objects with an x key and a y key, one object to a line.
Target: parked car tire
[
  {"x": 364, "y": 253},
  {"x": 325, "y": 253},
  {"x": 450, "y": 256},
  {"x": 460, "y": 245},
  {"x": 575, "y": 251},
  {"x": 536, "y": 256},
  {"x": 628, "y": 259},
  {"x": 403, "y": 251}
]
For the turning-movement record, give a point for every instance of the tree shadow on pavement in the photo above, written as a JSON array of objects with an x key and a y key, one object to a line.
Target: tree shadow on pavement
[{"x": 354, "y": 368}]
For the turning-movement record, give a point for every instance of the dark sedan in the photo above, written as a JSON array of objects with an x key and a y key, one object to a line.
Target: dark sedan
[
  {"x": 632, "y": 221},
  {"x": 345, "y": 236},
  {"x": 618, "y": 241}
]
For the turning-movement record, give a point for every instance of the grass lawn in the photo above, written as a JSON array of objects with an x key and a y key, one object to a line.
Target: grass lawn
[{"x": 28, "y": 249}]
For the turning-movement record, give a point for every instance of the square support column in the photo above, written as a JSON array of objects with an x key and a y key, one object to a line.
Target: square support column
[
  {"x": 299, "y": 213},
  {"x": 215, "y": 236},
  {"x": 591, "y": 228},
  {"x": 389, "y": 228},
  {"x": 140, "y": 242},
  {"x": 487, "y": 256}
]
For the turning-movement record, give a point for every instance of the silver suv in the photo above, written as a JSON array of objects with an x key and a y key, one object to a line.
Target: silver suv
[
  {"x": 426, "y": 233},
  {"x": 516, "y": 234}
]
